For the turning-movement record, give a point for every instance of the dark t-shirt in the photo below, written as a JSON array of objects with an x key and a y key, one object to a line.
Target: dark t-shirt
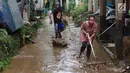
[{"x": 55, "y": 12}]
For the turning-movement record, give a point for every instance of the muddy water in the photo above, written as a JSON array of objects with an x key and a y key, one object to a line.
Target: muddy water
[{"x": 44, "y": 57}]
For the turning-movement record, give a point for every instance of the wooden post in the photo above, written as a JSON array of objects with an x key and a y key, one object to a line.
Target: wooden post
[
  {"x": 127, "y": 6},
  {"x": 119, "y": 35},
  {"x": 102, "y": 17}
]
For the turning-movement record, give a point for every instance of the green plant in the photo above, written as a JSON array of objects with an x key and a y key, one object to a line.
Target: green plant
[
  {"x": 79, "y": 10},
  {"x": 80, "y": 14},
  {"x": 71, "y": 4},
  {"x": 29, "y": 31},
  {"x": 9, "y": 46},
  {"x": 5, "y": 62},
  {"x": 37, "y": 25}
]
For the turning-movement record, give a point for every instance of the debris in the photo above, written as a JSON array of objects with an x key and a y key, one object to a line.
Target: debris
[
  {"x": 85, "y": 71},
  {"x": 96, "y": 63},
  {"x": 59, "y": 42}
]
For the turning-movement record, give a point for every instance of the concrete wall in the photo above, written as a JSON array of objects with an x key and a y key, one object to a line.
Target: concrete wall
[
  {"x": 90, "y": 3},
  {"x": 93, "y": 5},
  {"x": 96, "y": 5}
]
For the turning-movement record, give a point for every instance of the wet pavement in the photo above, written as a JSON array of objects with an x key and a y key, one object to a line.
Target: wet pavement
[{"x": 44, "y": 57}]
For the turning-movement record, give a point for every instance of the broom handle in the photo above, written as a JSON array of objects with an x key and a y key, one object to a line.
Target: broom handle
[{"x": 90, "y": 43}]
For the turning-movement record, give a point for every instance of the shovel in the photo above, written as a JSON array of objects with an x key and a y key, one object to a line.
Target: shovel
[{"x": 90, "y": 44}]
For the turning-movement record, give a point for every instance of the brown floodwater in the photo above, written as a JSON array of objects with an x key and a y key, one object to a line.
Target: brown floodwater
[{"x": 44, "y": 57}]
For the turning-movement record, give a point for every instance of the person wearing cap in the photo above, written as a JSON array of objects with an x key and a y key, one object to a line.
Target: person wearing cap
[
  {"x": 57, "y": 12},
  {"x": 89, "y": 27}
]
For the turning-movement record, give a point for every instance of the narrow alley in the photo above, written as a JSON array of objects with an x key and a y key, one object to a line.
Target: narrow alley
[{"x": 44, "y": 57}]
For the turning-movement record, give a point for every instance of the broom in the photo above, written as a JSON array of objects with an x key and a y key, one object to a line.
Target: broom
[
  {"x": 93, "y": 63},
  {"x": 90, "y": 44}
]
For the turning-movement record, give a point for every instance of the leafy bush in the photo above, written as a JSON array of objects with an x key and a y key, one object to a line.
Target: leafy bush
[
  {"x": 27, "y": 30},
  {"x": 85, "y": 1},
  {"x": 79, "y": 10},
  {"x": 80, "y": 14},
  {"x": 37, "y": 25},
  {"x": 71, "y": 4},
  {"x": 8, "y": 48},
  {"x": 5, "y": 62}
]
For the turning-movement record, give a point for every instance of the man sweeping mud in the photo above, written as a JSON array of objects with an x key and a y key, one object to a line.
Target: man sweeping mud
[{"x": 90, "y": 27}]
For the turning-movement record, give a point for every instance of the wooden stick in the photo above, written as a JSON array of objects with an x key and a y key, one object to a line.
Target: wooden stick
[{"x": 90, "y": 43}]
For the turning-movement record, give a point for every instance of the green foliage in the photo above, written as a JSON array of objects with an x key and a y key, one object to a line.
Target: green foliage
[
  {"x": 80, "y": 14},
  {"x": 37, "y": 25},
  {"x": 9, "y": 46},
  {"x": 27, "y": 30},
  {"x": 3, "y": 34},
  {"x": 71, "y": 5},
  {"x": 79, "y": 10},
  {"x": 85, "y": 1},
  {"x": 5, "y": 62}
]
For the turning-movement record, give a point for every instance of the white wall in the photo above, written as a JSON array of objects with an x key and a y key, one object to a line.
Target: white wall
[{"x": 39, "y": 5}]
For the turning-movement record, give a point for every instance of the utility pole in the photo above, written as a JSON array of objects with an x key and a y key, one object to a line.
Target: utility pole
[
  {"x": 119, "y": 32},
  {"x": 102, "y": 17}
]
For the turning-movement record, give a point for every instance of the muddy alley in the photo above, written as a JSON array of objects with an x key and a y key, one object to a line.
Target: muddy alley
[{"x": 44, "y": 57}]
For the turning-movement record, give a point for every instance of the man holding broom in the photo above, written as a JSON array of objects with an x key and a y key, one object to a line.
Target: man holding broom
[{"x": 89, "y": 29}]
